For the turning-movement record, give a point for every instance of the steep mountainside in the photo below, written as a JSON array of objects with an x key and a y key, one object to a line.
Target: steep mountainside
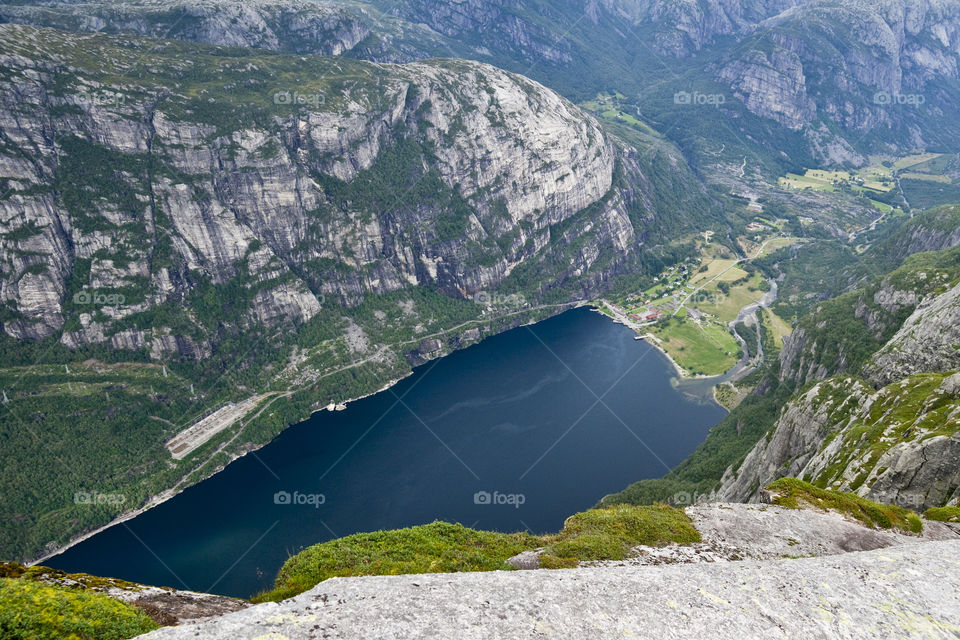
[
  {"x": 184, "y": 227},
  {"x": 279, "y": 182},
  {"x": 897, "y": 443},
  {"x": 800, "y": 81},
  {"x": 894, "y": 328}
]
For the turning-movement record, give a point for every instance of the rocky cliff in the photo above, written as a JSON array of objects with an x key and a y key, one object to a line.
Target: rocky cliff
[
  {"x": 842, "y": 334},
  {"x": 899, "y": 445},
  {"x": 896, "y": 444},
  {"x": 304, "y": 179},
  {"x": 929, "y": 341},
  {"x": 821, "y": 80},
  {"x": 901, "y": 592},
  {"x": 295, "y": 26}
]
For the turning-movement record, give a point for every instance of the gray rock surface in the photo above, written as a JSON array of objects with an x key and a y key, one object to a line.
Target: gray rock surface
[
  {"x": 830, "y": 70},
  {"x": 899, "y": 445},
  {"x": 908, "y": 591},
  {"x": 252, "y": 198},
  {"x": 737, "y": 531},
  {"x": 929, "y": 341}
]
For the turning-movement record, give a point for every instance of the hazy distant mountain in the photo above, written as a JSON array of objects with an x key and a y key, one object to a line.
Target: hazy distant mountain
[{"x": 809, "y": 81}]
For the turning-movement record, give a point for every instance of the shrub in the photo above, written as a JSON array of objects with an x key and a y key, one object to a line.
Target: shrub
[
  {"x": 943, "y": 514},
  {"x": 439, "y": 547},
  {"x": 797, "y": 494},
  {"x": 610, "y": 534},
  {"x": 45, "y": 612}
]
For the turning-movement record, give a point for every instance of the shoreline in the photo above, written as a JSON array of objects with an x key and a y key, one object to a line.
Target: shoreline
[
  {"x": 652, "y": 340},
  {"x": 167, "y": 494},
  {"x": 682, "y": 374}
]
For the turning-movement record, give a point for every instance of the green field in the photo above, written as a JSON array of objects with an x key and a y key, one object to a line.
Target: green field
[
  {"x": 781, "y": 328},
  {"x": 726, "y": 307},
  {"x": 875, "y": 178},
  {"x": 776, "y": 244},
  {"x": 719, "y": 269},
  {"x": 926, "y": 176},
  {"x": 911, "y": 161},
  {"x": 612, "y": 107},
  {"x": 705, "y": 349}
]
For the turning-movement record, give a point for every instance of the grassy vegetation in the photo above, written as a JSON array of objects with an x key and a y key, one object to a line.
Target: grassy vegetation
[
  {"x": 875, "y": 178},
  {"x": 907, "y": 162},
  {"x": 610, "y": 533},
  {"x": 612, "y": 107},
  {"x": 943, "y": 514},
  {"x": 910, "y": 410},
  {"x": 707, "y": 348},
  {"x": 724, "y": 270},
  {"x": 797, "y": 494},
  {"x": 440, "y": 547},
  {"x": 36, "y": 611},
  {"x": 48, "y": 575},
  {"x": 781, "y": 330}
]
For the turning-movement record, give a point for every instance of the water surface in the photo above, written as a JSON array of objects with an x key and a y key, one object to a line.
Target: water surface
[{"x": 555, "y": 415}]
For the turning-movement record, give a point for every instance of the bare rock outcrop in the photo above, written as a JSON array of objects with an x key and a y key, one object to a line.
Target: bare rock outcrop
[{"x": 899, "y": 592}]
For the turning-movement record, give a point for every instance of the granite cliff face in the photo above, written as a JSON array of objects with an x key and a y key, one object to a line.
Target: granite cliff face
[
  {"x": 836, "y": 80},
  {"x": 898, "y": 444},
  {"x": 929, "y": 341},
  {"x": 864, "y": 66},
  {"x": 294, "y": 26},
  {"x": 444, "y": 174}
]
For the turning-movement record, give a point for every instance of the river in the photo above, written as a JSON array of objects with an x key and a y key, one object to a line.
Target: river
[{"x": 517, "y": 432}]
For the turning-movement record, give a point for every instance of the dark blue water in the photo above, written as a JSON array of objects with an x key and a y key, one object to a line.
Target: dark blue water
[{"x": 554, "y": 416}]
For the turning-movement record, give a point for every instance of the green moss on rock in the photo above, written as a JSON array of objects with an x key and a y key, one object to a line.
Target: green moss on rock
[
  {"x": 38, "y": 611},
  {"x": 610, "y": 534},
  {"x": 797, "y": 494},
  {"x": 439, "y": 547},
  {"x": 943, "y": 514}
]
